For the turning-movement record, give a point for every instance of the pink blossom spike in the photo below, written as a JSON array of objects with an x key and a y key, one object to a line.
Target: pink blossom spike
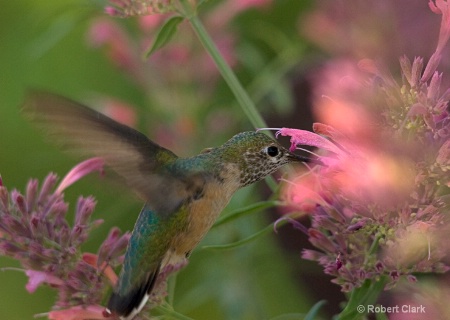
[
  {"x": 93, "y": 312},
  {"x": 36, "y": 278},
  {"x": 303, "y": 137},
  {"x": 79, "y": 171}
]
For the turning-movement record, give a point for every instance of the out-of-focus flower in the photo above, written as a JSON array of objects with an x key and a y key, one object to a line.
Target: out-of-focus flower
[
  {"x": 182, "y": 63},
  {"x": 352, "y": 28},
  {"x": 118, "y": 47},
  {"x": 426, "y": 299},
  {"x": 439, "y": 7},
  {"x": 129, "y": 8},
  {"x": 380, "y": 205},
  {"x": 119, "y": 111}
]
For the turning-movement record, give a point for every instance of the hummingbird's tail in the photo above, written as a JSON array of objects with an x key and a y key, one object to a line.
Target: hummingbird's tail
[{"x": 128, "y": 305}]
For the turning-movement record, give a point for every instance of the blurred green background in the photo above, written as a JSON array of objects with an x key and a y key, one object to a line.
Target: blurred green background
[{"x": 45, "y": 44}]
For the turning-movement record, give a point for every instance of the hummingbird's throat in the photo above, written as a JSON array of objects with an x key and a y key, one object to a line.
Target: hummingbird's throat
[{"x": 256, "y": 167}]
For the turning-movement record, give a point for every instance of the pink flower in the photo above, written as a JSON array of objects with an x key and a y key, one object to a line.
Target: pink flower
[
  {"x": 79, "y": 171},
  {"x": 35, "y": 231},
  {"x": 36, "y": 278},
  {"x": 117, "y": 44},
  {"x": 129, "y": 8},
  {"x": 303, "y": 137},
  {"x": 151, "y": 22},
  {"x": 439, "y": 7},
  {"x": 359, "y": 171},
  {"x": 119, "y": 111},
  {"x": 93, "y": 312}
]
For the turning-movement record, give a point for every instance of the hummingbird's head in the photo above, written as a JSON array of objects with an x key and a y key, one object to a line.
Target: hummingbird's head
[{"x": 257, "y": 155}]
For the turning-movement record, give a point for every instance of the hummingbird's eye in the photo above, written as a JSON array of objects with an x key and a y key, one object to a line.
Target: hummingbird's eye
[{"x": 272, "y": 151}]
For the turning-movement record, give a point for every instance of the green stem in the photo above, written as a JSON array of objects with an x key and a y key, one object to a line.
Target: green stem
[
  {"x": 254, "y": 207},
  {"x": 171, "y": 284},
  {"x": 247, "y": 105},
  {"x": 373, "y": 248},
  {"x": 361, "y": 298},
  {"x": 170, "y": 313},
  {"x": 242, "y": 97}
]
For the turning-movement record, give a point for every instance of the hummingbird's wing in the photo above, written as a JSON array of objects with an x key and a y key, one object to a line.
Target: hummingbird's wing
[{"x": 140, "y": 161}]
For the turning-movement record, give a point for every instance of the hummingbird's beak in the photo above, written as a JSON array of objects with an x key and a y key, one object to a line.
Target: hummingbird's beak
[{"x": 296, "y": 158}]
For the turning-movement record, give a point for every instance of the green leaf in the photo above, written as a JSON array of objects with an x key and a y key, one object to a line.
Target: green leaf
[
  {"x": 381, "y": 316},
  {"x": 360, "y": 298},
  {"x": 168, "y": 311},
  {"x": 244, "y": 241},
  {"x": 241, "y": 242},
  {"x": 313, "y": 313},
  {"x": 165, "y": 34},
  {"x": 289, "y": 316},
  {"x": 245, "y": 211}
]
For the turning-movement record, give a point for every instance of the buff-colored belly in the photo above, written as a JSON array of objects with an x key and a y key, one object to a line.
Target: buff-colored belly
[{"x": 202, "y": 215}]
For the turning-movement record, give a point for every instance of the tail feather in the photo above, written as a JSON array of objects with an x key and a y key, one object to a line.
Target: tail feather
[{"x": 128, "y": 305}]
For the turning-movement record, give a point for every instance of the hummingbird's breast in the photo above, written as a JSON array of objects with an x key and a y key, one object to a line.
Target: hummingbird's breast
[{"x": 203, "y": 212}]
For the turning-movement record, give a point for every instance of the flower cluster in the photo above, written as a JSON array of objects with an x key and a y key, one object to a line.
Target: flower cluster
[
  {"x": 34, "y": 230},
  {"x": 123, "y": 8},
  {"x": 380, "y": 204}
]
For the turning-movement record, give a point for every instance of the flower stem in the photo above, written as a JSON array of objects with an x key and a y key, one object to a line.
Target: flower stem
[
  {"x": 168, "y": 311},
  {"x": 247, "y": 105},
  {"x": 242, "y": 97}
]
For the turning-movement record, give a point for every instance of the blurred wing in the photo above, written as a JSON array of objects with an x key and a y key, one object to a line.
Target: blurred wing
[{"x": 128, "y": 152}]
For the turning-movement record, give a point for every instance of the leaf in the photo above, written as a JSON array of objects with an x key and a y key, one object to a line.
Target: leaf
[
  {"x": 313, "y": 313},
  {"x": 241, "y": 242},
  {"x": 165, "y": 34},
  {"x": 289, "y": 316},
  {"x": 168, "y": 311},
  {"x": 360, "y": 298},
  {"x": 381, "y": 316},
  {"x": 58, "y": 30},
  {"x": 245, "y": 211}
]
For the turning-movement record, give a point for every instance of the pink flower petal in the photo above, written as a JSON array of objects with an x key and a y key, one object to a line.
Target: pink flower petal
[
  {"x": 444, "y": 154},
  {"x": 79, "y": 171},
  {"x": 434, "y": 8},
  {"x": 93, "y": 312},
  {"x": 36, "y": 278},
  {"x": 303, "y": 137}
]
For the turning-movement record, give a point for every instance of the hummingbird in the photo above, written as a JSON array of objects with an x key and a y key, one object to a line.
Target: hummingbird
[{"x": 183, "y": 196}]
